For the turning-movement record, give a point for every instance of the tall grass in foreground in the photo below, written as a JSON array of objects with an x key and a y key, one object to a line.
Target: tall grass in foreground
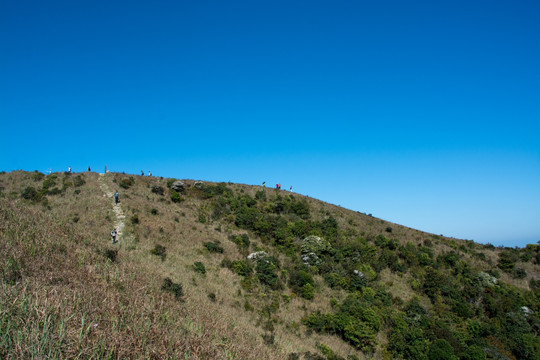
[{"x": 60, "y": 297}]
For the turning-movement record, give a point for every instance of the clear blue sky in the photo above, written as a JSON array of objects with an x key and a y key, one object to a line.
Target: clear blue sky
[{"x": 423, "y": 113}]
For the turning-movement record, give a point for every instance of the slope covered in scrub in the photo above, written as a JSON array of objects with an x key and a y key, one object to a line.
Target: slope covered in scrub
[{"x": 217, "y": 270}]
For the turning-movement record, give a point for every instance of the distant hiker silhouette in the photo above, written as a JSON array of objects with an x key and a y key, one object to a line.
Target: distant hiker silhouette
[
  {"x": 264, "y": 183},
  {"x": 69, "y": 169},
  {"x": 116, "y": 197},
  {"x": 89, "y": 169},
  {"x": 149, "y": 173},
  {"x": 142, "y": 173},
  {"x": 113, "y": 235},
  {"x": 290, "y": 189}
]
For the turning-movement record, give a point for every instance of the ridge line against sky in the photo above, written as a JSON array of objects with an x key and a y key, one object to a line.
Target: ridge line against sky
[{"x": 426, "y": 114}]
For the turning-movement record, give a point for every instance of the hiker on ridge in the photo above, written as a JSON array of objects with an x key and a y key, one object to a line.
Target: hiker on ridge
[
  {"x": 116, "y": 197},
  {"x": 113, "y": 235}
]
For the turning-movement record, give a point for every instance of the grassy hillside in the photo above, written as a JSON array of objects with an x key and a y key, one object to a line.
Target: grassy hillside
[{"x": 231, "y": 271}]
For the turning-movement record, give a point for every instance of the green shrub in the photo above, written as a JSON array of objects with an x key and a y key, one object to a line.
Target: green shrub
[
  {"x": 308, "y": 291},
  {"x": 519, "y": 273},
  {"x": 473, "y": 352},
  {"x": 242, "y": 268},
  {"x": 175, "y": 289},
  {"x": 126, "y": 183},
  {"x": 135, "y": 219},
  {"x": 213, "y": 247},
  {"x": 202, "y": 218},
  {"x": 111, "y": 254},
  {"x": 29, "y": 193},
  {"x": 156, "y": 189},
  {"x": 199, "y": 267},
  {"x": 226, "y": 263},
  {"x": 56, "y": 191},
  {"x": 298, "y": 279},
  {"x": 154, "y": 211},
  {"x": 175, "y": 197},
  {"x": 78, "y": 181},
  {"x": 507, "y": 261},
  {"x": 440, "y": 349},
  {"x": 160, "y": 251},
  {"x": 37, "y": 176},
  {"x": 170, "y": 181},
  {"x": 266, "y": 273},
  {"x": 449, "y": 259},
  {"x": 49, "y": 182},
  {"x": 260, "y": 195},
  {"x": 242, "y": 241}
]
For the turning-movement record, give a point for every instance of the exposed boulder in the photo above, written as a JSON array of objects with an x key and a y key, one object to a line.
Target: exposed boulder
[
  {"x": 199, "y": 185},
  {"x": 259, "y": 255},
  {"x": 178, "y": 186}
]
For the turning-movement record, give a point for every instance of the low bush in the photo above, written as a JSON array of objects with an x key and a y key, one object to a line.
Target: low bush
[
  {"x": 298, "y": 279},
  {"x": 176, "y": 289},
  {"x": 308, "y": 291},
  {"x": 126, "y": 183},
  {"x": 160, "y": 251},
  {"x": 170, "y": 181},
  {"x": 111, "y": 254},
  {"x": 37, "y": 176},
  {"x": 29, "y": 193},
  {"x": 199, "y": 267},
  {"x": 156, "y": 189},
  {"x": 241, "y": 267},
  {"x": 266, "y": 273},
  {"x": 213, "y": 247},
  {"x": 242, "y": 241},
  {"x": 175, "y": 197},
  {"x": 78, "y": 181},
  {"x": 49, "y": 182}
]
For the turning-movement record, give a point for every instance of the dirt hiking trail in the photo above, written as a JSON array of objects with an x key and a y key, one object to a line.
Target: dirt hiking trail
[{"x": 117, "y": 209}]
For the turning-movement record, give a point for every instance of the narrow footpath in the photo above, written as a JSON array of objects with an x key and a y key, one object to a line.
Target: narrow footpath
[{"x": 117, "y": 209}]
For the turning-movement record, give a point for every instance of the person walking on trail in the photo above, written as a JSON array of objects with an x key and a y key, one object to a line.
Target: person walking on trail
[
  {"x": 142, "y": 173},
  {"x": 113, "y": 235},
  {"x": 149, "y": 173},
  {"x": 264, "y": 183},
  {"x": 290, "y": 189},
  {"x": 89, "y": 169},
  {"x": 116, "y": 197},
  {"x": 69, "y": 169}
]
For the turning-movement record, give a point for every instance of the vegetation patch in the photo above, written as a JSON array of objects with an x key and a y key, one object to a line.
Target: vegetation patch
[
  {"x": 159, "y": 250},
  {"x": 213, "y": 247},
  {"x": 174, "y": 288},
  {"x": 199, "y": 267}
]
